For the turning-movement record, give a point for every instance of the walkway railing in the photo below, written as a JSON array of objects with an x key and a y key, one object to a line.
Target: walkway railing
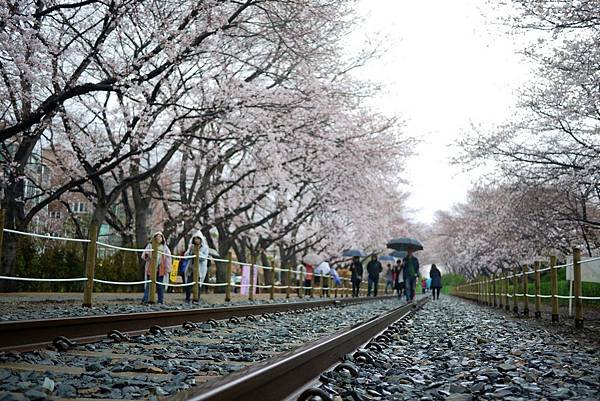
[
  {"x": 325, "y": 288},
  {"x": 506, "y": 289}
]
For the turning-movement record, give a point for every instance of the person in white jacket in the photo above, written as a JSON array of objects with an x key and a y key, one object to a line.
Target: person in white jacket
[
  {"x": 187, "y": 272},
  {"x": 163, "y": 267}
]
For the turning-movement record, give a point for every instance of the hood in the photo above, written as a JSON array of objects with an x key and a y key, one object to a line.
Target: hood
[
  {"x": 197, "y": 234},
  {"x": 161, "y": 234}
]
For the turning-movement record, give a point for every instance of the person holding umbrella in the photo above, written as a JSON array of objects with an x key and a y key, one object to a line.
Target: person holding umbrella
[
  {"x": 356, "y": 269},
  {"x": 410, "y": 274},
  {"x": 374, "y": 269}
]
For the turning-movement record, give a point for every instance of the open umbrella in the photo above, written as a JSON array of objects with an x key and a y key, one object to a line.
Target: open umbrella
[
  {"x": 312, "y": 259},
  {"x": 323, "y": 268},
  {"x": 399, "y": 254},
  {"x": 404, "y": 244},
  {"x": 387, "y": 258},
  {"x": 349, "y": 253}
]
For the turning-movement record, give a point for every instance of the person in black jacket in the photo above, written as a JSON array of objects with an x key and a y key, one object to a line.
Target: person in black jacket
[
  {"x": 436, "y": 281},
  {"x": 356, "y": 269},
  {"x": 374, "y": 269}
]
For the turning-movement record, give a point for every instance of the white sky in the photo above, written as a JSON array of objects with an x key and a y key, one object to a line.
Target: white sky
[{"x": 447, "y": 66}]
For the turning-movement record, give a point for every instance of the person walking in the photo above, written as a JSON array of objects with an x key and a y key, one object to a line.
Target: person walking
[
  {"x": 197, "y": 239},
  {"x": 410, "y": 273},
  {"x": 308, "y": 280},
  {"x": 356, "y": 269},
  {"x": 389, "y": 279},
  {"x": 164, "y": 264},
  {"x": 300, "y": 275},
  {"x": 322, "y": 274},
  {"x": 436, "y": 281},
  {"x": 397, "y": 278},
  {"x": 373, "y": 269}
]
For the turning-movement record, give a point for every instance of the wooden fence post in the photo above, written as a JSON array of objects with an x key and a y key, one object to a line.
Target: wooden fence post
[
  {"x": 501, "y": 290},
  {"x": 577, "y": 288},
  {"x": 538, "y": 300},
  {"x": 494, "y": 292},
  {"x": 2, "y": 234},
  {"x": 554, "y": 288},
  {"x": 272, "y": 289},
  {"x": 515, "y": 288},
  {"x": 288, "y": 290},
  {"x": 251, "y": 287},
  {"x": 525, "y": 291},
  {"x": 229, "y": 268},
  {"x": 90, "y": 264},
  {"x": 196, "y": 274},
  {"x": 506, "y": 297}
]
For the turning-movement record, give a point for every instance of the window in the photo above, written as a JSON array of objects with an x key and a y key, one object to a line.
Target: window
[
  {"x": 55, "y": 215},
  {"x": 79, "y": 207}
]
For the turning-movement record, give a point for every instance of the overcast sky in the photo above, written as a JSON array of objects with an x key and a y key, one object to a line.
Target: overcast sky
[{"x": 449, "y": 64}]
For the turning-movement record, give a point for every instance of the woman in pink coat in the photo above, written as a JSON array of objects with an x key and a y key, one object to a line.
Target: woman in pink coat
[{"x": 163, "y": 268}]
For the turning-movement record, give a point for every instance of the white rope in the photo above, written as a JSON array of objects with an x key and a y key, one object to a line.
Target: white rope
[
  {"x": 530, "y": 295},
  {"x": 262, "y": 286},
  {"x": 545, "y": 296},
  {"x": 564, "y": 296},
  {"x": 561, "y": 266},
  {"x": 592, "y": 298},
  {"x": 50, "y": 280},
  {"x": 97, "y": 280},
  {"x": 215, "y": 284},
  {"x": 45, "y": 236},
  {"x": 223, "y": 260},
  {"x": 120, "y": 247},
  {"x": 177, "y": 285},
  {"x": 544, "y": 269},
  {"x": 183, "y": 257},
  {"x": 590, "y": 260},
  {"x": 280, "y": 287}
]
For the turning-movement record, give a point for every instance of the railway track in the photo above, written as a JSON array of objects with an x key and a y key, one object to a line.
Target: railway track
[
  {"x": 170, "y": 359},
  {"x": 27, "y": 335}
]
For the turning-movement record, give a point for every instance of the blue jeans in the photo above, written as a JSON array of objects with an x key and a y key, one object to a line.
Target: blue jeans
[
  {"x": 159, "y": 288},
  {"x": 409, "y": 287},
  {"x": 373, "y": 283}
]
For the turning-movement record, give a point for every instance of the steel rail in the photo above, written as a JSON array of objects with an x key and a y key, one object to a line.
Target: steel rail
[
  {"x": 282, "y": 376},
  {"x": 27, "y": 335}
]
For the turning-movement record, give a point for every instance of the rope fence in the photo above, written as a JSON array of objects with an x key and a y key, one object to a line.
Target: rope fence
[
  {"x": 300, "y": 276},
  {"x": 510, "y": 288}
]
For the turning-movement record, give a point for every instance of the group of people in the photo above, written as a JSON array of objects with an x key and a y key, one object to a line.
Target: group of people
[
  {"x": 165, "y": 265},
  {"x": 402, "y": 277}
]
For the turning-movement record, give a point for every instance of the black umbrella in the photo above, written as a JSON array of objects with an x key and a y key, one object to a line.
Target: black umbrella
[
  {"x": 349, "y": 253},
  {"x": 399, "y": 254},
  {"x": 404, "y": 244}
]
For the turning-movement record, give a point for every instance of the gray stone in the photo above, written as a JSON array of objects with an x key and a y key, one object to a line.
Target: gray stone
[
  {"x": 35, "y": 395},
  {"x": 66, "y": 390},
  {"x": 459, "y": 397},
  {"x": 562, "y": 393}
]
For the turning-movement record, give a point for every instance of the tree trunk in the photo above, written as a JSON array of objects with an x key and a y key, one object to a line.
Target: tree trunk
[
  {"x": 14, "y": 218},
  {"x": 142, "y": 231}
]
